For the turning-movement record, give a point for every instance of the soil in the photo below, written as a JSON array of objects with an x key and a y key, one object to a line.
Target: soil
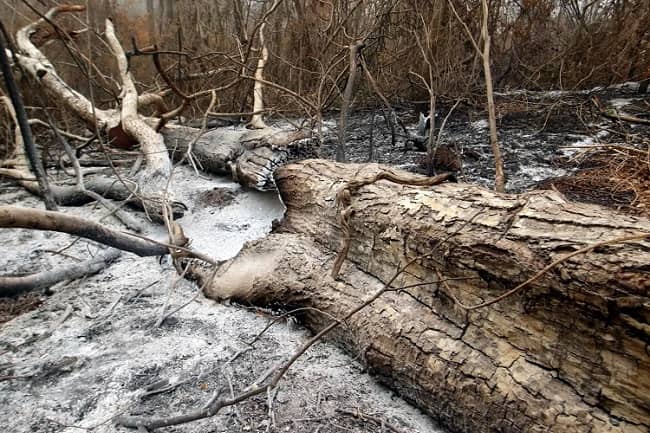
[{"x": 12, "y": 307}]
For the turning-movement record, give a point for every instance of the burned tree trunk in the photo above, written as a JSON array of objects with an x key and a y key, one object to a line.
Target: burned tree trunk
[
  {"x": 250, "y": 157},
  {"x": 566, "y": 353}
]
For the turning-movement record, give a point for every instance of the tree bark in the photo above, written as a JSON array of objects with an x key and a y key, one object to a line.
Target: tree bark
[
  {"x": 250, "y": 157},
  {"x": 36, "y": 219},
  {"x": 20, "y": 116},
  {"x": 568, "y": 353},
  {"x": 257, "y": 121},
  {"x": 155, "y": 181}
]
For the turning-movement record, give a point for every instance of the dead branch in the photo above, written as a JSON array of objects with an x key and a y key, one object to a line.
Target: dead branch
[
  {"x": 67, "y": 195},
  {"x": 257, "y": 121},
  {"x": 43, "y": 71},
  {"x": 613, "y": 114},
  {"x": 155, "y": 179},
  {"x": 20, "y": 116},
  {"x": 12, "y": 286},
  {"x": 26, "y": 218}
]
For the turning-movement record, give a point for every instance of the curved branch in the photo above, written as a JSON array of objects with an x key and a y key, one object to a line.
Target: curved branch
[
  {"x": 155, "y": 178},
  {"x": 43, "y": 71}
]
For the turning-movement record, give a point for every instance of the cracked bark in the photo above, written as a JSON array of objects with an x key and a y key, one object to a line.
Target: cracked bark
[
  {"x": 250, "y": 157},
  {"x": 568, "y": 354}
]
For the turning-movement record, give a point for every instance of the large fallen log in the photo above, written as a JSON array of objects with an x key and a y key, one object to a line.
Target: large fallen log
[{"x": 568, "y": 352}]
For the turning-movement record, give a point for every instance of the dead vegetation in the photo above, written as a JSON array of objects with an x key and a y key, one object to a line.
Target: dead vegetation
[
  {"x": 304, "y": 59},
  {"x": 613, "y": 175}
]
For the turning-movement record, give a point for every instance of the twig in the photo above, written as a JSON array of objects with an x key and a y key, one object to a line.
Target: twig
[
  {"x": 288, "y": 313},
  {"x": 364, "y": 416},
  {"x": 612, "y": 114},
  {"x": 163, "y": 316},
  {"x": 204, "y": 126}
]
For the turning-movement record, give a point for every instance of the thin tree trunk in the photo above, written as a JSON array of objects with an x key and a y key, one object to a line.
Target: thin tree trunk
[
  {"x": 257, "y": 121},
  {"x": 27, "y": 141},
  {"x": 499, "y": 178},
  {"x": 348, "y": 93}
]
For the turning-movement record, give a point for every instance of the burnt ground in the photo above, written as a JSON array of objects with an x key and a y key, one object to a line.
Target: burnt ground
[
  {"x": 541, "y": 134},
  {"x": 73, "y": 358}
]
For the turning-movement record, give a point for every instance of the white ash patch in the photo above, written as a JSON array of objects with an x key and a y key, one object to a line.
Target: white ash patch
[
  {"x": 582, "y": 142},
  {"x": 480, "y": 125},
  {"x": 619, "y": 103}
]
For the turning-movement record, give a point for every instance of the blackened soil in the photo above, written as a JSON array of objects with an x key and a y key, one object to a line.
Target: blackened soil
[{"x": 540, "y": 134}]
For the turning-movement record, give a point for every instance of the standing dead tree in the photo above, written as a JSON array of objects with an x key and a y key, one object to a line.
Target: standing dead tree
[
  {"x": 257, "y": 121},
  {"x": 25, "y": 144},
  {"x": 354, "y": 58},
  {"x": 484, "y": 53}
]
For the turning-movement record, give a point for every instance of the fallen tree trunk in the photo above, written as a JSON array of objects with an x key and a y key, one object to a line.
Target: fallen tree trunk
[
  {"x": 250, "y": 157},
  {"x": 568, "y": 352}
]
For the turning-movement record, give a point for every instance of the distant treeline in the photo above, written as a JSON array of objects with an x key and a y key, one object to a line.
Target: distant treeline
[{"x": 536, "y": 44}]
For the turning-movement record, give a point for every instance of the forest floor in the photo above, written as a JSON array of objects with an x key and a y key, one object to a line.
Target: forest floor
[
  {"x": 548, "y": 140},
  {"x": 73, "y": 358},
  {"x": 92, "y": 350}
]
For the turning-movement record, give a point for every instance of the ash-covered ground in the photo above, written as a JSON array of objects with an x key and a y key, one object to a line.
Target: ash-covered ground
[
  {"x": 92, "y": 349},
  {"x": 541, "y": 134}
]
